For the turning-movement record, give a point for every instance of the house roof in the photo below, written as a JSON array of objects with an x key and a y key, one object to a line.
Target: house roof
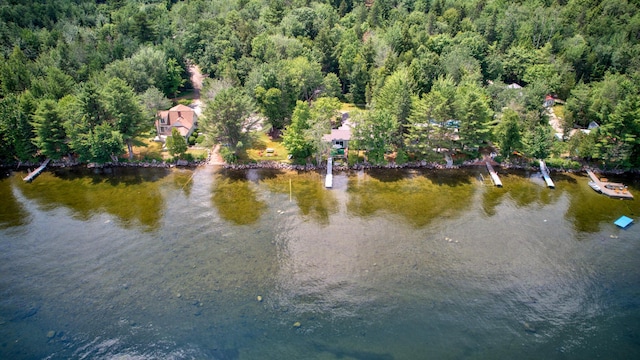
[
  {"x": 181, "y": 117},
  {"x": 338, "y": 134}
]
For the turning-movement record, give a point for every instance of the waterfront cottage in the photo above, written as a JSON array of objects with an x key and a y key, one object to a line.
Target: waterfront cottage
[
  {"x": 180, "y": 117},
  {"x": 339, "y": 138}
]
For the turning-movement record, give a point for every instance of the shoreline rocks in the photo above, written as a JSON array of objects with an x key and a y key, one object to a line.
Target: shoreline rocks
[{"x": 275, "y": 165}]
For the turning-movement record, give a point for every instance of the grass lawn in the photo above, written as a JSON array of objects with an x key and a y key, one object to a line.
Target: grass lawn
[
  {"x": 349, "y": 107},
  {"x": 559, "y": 111},
  {"x": 150, "y": 150},
  {"x": 197, "y": 152},
  {"x": 258, "y": 150}
]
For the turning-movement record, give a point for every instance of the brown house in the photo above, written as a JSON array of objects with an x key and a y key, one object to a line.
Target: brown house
[{"x": 180, "y": 117}]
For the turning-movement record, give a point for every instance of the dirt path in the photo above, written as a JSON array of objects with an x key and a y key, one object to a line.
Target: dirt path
[
  {"x": 196, "y": 80},
  {"x": 216, "y": 158},
  {"x": 554, "y": 121}
]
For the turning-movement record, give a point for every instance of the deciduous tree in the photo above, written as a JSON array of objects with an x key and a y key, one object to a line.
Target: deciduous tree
[{"x": 226, "y": 117}]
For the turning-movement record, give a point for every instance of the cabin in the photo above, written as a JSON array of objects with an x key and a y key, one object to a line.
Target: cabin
[
  {"x": 339, "y": 138},
  {"x": 180, "y": 117}
]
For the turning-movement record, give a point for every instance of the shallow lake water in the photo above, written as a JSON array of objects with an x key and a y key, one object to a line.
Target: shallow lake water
[{"x": 393, "y": 264}]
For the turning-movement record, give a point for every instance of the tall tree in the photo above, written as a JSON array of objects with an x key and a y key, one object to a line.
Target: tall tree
[
  {"x": 395, "y": 98},
  {"x": 508, "y": 134},
  {"x": 537, "y": 142},
  {"x": 226, "y": 117},
  {"x": 474, "y": 114},
  {"x": 373, "y": 131},
  {"x": 15, "y": 75},
  {"x": 294, "y": 137},
  {"x": 125, "y": 111},
  {"x": 619, "y": 138},
  {"x": 105, "y": 143},
  {"x": 50, "y": 136}
]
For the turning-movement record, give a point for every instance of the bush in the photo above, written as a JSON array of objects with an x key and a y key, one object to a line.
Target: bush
[
  {"x": 228, "y": 155},
  {"x": 560, "y": 163},
  {"x": 401, "y": 157},
  {"x": 189, "y": 157},
  {"x": 185, "y": 102}
]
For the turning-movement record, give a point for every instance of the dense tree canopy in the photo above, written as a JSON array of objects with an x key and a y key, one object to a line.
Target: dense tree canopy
[{"x": 428, "y": 73}]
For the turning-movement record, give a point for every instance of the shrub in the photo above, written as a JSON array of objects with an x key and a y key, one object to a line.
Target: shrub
[
  {"x": 561, "y": 163},
  {"x": 401, "y": 157},
  {"x": 228, "y": 155},
  {"x": 185, "y": 102},
  {"x": 189, "y": 157}
]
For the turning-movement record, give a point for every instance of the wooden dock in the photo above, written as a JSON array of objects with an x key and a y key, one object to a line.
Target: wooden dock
[
  {"x": 328, "y": 181},
  {"x": 611, "y": 189},
  {"x": 494, "y": 175},
  {"x": 545, "y": 175},
  {"x": 32, "y": 175}
]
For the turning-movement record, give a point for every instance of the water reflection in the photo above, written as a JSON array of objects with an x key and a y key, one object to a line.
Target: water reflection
[
  {"x": 307, "y": 188},
  {"x": 418, "y": 197},
  {"x": 133, "y": 196},
  {"x": 236, "y": 199},
  {"x": 12, "y": 213}
]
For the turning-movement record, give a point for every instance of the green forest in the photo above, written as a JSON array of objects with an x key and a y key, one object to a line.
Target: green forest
[{"x": 86, "y": 78}]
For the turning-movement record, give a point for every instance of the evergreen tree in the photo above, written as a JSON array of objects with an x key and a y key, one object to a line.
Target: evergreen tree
[
  {"x": 508, "y": 133},
  {"x": 50, "y": 136},
  {"x": 125, "y": 111}
]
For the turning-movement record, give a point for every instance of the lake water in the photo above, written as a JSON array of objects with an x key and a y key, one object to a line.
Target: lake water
[{"x": 217, "y": 264}]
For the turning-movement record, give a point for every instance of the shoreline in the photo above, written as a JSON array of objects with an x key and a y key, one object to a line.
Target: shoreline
[{"x": 274, "y": 165}]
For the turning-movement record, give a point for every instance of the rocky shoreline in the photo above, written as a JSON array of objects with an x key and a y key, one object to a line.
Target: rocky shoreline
[{"x": 275, "y": 165}]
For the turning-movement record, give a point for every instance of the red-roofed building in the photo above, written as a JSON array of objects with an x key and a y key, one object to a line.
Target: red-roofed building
[{"x": 180, "y": 117}]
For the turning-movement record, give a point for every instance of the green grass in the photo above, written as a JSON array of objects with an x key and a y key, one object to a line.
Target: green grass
[
  {"x": 149, "y": 150},
  {"x": 559, "y": 111},
  {"x": 257, "y": 150},
  {"x": 349, "y": 107}
]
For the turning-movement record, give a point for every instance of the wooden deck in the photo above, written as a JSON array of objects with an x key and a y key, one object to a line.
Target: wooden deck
[
  {"x": 32, "y": 175},
  {"x": 545, "y": 175},
  {"x": 494, "y": 175},
  {"x": 611, "y": 189}
]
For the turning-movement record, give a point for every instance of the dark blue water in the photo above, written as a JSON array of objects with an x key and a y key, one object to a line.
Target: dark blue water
[{"x": 175, "y": 264}]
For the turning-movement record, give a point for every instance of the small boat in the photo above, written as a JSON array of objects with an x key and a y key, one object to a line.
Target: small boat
[{"x": 595, "y": 186}]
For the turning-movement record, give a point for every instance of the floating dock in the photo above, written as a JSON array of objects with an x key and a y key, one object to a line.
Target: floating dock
[
  {"x": 32, "y": 175},
  {"x": 611, "y": 189},
  {"x": 545, "y": 175},
  {"x": 328, "y": 181},
  {"x": 494, "y": 175}
]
